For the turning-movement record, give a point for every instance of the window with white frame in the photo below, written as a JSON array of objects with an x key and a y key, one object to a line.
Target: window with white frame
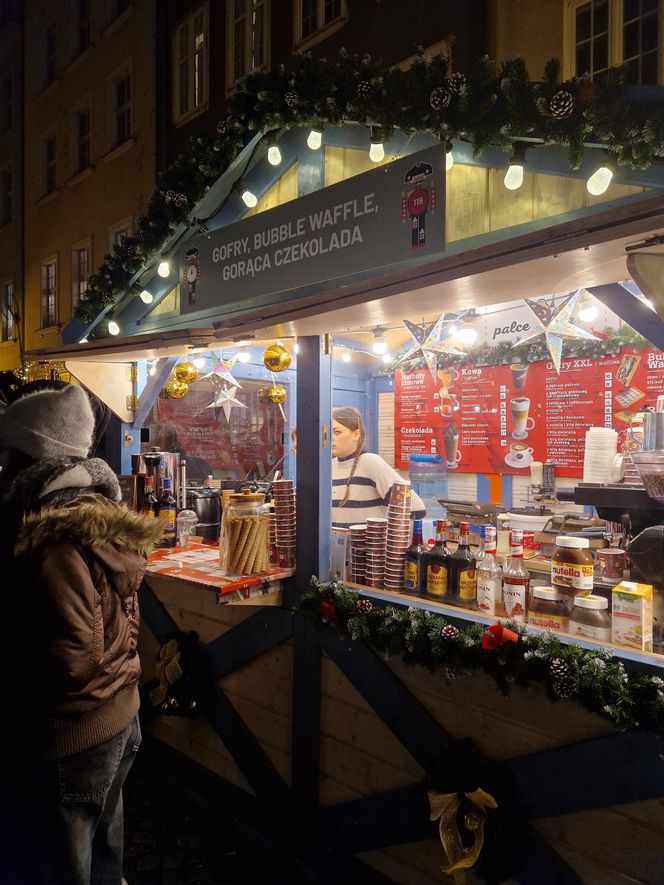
[
  {"x": 7, "y": 311},
  {"x": 81, "y": 139},
  {"x": 49, "y": 164},
  {"x": 6, "y": 196},
  {"x": 121, "y": 107},
  {"x": 49, "y": 293},
  {"x": 6, "y": 103},
  {"x": 50, "y": 54},
  {"x": 312, "y": 16},
  {"x": 247, "y": 38},
  {"x": 80, "y": 270},
  {"x": 190, "y": 65},
  {"x": 602, "y": 33},
  {"x": 119, "y": 232},
  {"x": 82, "y": 25}
]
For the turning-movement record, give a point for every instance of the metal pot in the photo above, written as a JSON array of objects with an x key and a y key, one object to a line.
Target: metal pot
[{"x": 206, "y": 505}]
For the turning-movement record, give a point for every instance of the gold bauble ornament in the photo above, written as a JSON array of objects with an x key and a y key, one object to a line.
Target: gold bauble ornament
[
  {"x": 277, "y": 394},
  {"x": 264, "y": 395},
  {"x": 175, "y": 389},
  {"x": 185, "y": 371},
  {"x": 276, "y": 358}
]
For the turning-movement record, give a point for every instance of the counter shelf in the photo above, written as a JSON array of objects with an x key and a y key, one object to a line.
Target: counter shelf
[
  {"x": 648, "y": 661},
  {"x": 198, "y": 564}
]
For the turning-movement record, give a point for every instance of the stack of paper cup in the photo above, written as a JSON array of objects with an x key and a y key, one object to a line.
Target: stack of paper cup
[
  {"x": 376, "y": 545},
  {"x": 284, "y": 512},
  {"x": 599, "y": 456},
  {"x": 358, "y": 553},
  {"x": 398, "y": 534}
]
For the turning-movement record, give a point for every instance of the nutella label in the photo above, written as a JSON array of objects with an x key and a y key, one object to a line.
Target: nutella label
[
  {"x": 569, "y": 574},
  {"x": 514, "y": 600},
  {"x": 548, "y": 622},
  {"x": 585, "y": 631}
]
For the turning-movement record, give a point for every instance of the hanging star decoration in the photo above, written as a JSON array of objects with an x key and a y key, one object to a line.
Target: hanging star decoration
[
  {"x": 222, "y": 370},
  {"x": 430, "y": 339},
  {"x": 556, "y": 326},
  {"x": 225, "y": 399}
]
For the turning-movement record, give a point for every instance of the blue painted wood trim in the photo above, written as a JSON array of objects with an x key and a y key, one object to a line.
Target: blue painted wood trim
[
  {"x": 482, "y": 487},
  {"x": 634, "y": 312},
  {"x": 507, "y": 490},
  {"x": 154, "y": 614},
  {"x": 152, "y": 388},
  {"x": 259, "y": 633}
]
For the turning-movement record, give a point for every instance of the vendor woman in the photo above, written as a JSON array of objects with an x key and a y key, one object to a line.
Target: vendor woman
[{"x": 361, "y": 481}]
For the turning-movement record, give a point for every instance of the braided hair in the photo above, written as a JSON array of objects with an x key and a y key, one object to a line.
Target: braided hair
[{"x": 352, "y": 419}]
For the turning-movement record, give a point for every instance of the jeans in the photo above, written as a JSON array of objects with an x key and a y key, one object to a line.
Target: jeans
[{"x": 68, "y": 829}]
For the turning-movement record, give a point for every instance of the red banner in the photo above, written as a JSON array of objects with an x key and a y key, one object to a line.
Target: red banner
[{"x": 498, "y": 419}]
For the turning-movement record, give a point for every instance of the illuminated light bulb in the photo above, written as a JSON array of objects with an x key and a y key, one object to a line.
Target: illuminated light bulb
[
  {"x": 599, "y": 181},
  {"x": 248, "y": 198},
  {"x": 315, "y": 139},
  {"x": 513, "y": 177},
  {"x": 345, "y": 357},
  {"x": 468, "y": 334},
  {"x": 147, "y": 297},
  {"x": 83, "y": 341},
  {"x": 152, "y": 371},
  {"x": 274, "y": 155},
  {"x": 379, "y": 346},
  {"x": 164, "y": 269},
  {"x": 376, "y": 151},
  {"x": 387, "y": 357},
  {"x": 243, "y": 356},
  {"x": 588, "y": 314},
  {"x": 199, "y": 362},
  {"x": 113, "y": 328}
]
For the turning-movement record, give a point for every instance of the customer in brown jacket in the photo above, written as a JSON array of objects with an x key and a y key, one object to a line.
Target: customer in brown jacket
[{"x": 72, "y": 559}]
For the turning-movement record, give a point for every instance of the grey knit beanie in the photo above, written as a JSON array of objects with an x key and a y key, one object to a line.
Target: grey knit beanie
[{"x": 49, "y": 424}]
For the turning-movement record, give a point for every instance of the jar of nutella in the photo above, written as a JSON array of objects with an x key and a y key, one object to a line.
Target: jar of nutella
[
  {"x": 548, "y": 609},
  {"x": 590, "y": 618},
  {"x": 572, "y": 568}
]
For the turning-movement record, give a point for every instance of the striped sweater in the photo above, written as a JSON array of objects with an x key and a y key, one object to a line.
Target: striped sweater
[{"x": 370, "y": 490}]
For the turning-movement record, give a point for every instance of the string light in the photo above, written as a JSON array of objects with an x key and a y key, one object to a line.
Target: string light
[
  {"x": 273, "y": 152},
  {"x": 514, "y": 175},
  {"x": 588, "y": 314},
  {"x": 199, "y": 362},
  {"x": 449, "y": 155},
  {"x": 376, "y": 151},
  {"x": 599, "y": 181},
  {"x": 315, "y": 139},
  {"x": 113, "y": 328},
  {"x": 243, "y": 356},
  {"x": 379, "y": 344},
  {"x": 163, "y": 269},
  {"x": 147, "y": 297},
  {"x": 345, "y": 357}
]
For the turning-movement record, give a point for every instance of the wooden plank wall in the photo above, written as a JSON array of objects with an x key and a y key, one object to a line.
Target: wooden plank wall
[{"x": 360, "y": 756}]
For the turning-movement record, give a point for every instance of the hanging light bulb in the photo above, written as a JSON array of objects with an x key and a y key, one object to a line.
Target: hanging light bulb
[
  {"x": 601, "y": 178},
  {"x": 345, "y": 357},
  {"x": 468, "y": 334},
  {"x": 147, "y": 297},
  {"x": 164, "y": 268},
  {"x": 387, "y": 357},
  {"x": 514, "y": 175},
  {"x": 113, "y": 328},
  {"x": 273, "y": 152},
  {"x": 296, "y": 348},
  {"x": 379, "y": 344},
  {"x": 376, "y": 151},
  {"x": 199, "y": 362},
  {"x": 315, "y": 139},
  {"x": 449, "y": 156},
  {"x": 243, "y": 356},
  {"x": 249, "y": 198},
  {"x": 588, "y": 314},
  {"x": 152, "y": 371}
]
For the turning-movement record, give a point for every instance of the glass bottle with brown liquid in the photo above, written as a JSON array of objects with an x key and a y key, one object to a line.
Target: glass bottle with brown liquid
[
  {"x": 438, "y": 565},
  {"x": 463, "y": 572}
]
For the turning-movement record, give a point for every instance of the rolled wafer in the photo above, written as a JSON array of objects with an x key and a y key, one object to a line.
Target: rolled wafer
[
  {"x": 239, "y": 549},
  {"x": 250, "y": 544},
  {"x": 232, "y": 536},
  {"x": 254, "y": 552},
  {"x": 260, "y": 547}
]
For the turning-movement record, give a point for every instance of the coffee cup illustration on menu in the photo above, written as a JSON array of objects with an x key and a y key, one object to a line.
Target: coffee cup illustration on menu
[
  {"x": 447, "y": 377},
  {"x": 521, "y": 423},
  {"x": 451, "y": 443},
  {"x": 519, "y": 455},
  {"x": 519, "y": 375}
]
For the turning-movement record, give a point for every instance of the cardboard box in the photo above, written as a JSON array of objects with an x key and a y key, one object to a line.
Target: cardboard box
[
  {"x": 340, "y": 554},
  {"x": 632, "y": 615}
]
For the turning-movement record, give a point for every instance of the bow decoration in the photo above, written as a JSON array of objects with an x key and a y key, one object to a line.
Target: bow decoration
[
  {"x": 445, "y": 809},
  {"x": 168, "y": 671}
]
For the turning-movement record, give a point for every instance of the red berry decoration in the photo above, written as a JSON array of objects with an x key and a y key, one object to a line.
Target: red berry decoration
[{"x": 364, "y": 606}]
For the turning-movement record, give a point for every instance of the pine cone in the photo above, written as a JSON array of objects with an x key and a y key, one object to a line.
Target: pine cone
[
  {"x": 559, "y": 668},
  {"x": 457, "y": 83},
  {"x": 292, "y": 99},
  {"x": 364, "y": 606},
  {"x": 562, "y": 104},
  {"x": 561, "y": 677},
  {"x": 440, "y": 98},
  {"x": 364, "y": 90},
  {"x": 449, "y": 632},
  {"x": 449, "y": 672},
  {"x": 226, "y": 124}
]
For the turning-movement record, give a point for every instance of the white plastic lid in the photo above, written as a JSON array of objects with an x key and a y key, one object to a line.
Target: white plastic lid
[
  {"x": 576, "y": 543},
  {"x": 548, "y": 593},
  {"x": 594, "y": 602}
]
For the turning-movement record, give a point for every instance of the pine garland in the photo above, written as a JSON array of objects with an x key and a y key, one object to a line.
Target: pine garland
[
  {"x": 593, "y": 678},
  {"x": 492, "y": 106}
]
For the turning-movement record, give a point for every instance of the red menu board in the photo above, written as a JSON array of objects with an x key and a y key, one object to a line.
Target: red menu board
[{"x": 498, "y": 419}]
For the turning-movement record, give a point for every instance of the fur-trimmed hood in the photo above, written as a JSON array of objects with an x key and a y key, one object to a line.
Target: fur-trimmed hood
[{"x": 90, "y": 520}]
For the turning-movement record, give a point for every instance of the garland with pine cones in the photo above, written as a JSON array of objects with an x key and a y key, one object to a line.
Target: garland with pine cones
[{"x": 596, "y": 679}]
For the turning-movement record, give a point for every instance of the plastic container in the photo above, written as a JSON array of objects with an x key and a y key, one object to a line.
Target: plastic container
[
  {"x": 529, "y": 523},
  {"x": 651, "y": 470},
  {"x": 186, "y": 523},
  {"x": 244, "y": 545},
  {"x": 428, "y": 478}
]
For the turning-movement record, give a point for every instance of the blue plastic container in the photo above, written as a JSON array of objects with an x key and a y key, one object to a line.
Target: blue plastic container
[{"x": 428, "y": 477}]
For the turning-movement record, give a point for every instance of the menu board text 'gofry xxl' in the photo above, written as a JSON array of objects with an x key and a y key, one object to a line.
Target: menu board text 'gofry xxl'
[{"x": 499, "y": 419}]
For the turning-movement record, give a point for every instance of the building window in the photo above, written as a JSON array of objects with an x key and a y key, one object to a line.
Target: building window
[
  {"x": 6, "y": 196},
  {"x": 640, "y": 39},
  {"x": 50, "y": 169},
  {"x": 49, "y": 294},
  {"x": 611, "y": 32},
  {"x": 6, "y": 104},
  {"x": 119, "y": 232},
  {"x": 247, "y": 37},
  {"x": 82, "y": 125},
  {"x": 190, "y": 64},
  {"x": 50, "y": 54},
  {"x": 312, "y": 16},
  {"x": 7, "y": 310},
  {"x": 80, "y": 271},
  {"x": 121, "y": 108},
  {"x": 83, "y": 25}
]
